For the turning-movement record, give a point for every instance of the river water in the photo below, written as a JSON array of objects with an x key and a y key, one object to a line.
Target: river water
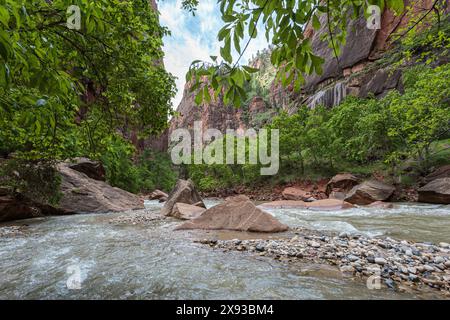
[{"x": 87, "y": 256}]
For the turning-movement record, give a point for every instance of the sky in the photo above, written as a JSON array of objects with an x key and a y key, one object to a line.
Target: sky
[{"x": 195, "y": 38}]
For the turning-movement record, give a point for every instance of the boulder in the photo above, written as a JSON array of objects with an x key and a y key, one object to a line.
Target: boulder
[
  {"x": 441, "y": 172},
  {"x": 437, "y": 191},
  {"x": 236, "y": 213},
  {"x": 186, "y": 211},
  {"x": 325, "y": 205},
  {"x": 157, "y": 194},
  {"x": 342, "y": 183},
  {"x": 184, "y": 192},
  {"x": 93, "y": 169},
  {"x": 337, "y": 195},
  {"x": 162, "y": 199},
  {"x": 292, "y": 193},
  {"x": 369, "y": 191},
  {"x": 15, "y": 208},
  {"x": 82, "y": 194}
]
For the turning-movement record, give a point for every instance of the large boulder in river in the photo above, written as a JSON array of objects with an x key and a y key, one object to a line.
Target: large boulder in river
[
  {"x": 186, "y": 211},
  {"x": 437, "y": 191},
  {"x": 184, "y": 192},
  {"x": 369, "y": 191},
  {"x": 82, "y": 194},
  {"x": 341, "y": 184},
  {"x": 93, "y": 169},
  {"x": 235, "y": 213}
]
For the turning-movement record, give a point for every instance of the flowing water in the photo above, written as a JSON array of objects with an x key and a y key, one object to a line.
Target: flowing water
[{"x": 152, "y": 261}]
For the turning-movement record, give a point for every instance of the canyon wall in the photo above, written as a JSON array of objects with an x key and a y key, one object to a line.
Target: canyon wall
[{"x": 356, "y": 72}]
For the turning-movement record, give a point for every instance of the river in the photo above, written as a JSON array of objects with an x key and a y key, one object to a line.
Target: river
[{"x": 151, "y": 261}]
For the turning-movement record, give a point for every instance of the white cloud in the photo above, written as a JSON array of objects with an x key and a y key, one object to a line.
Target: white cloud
[{"x": 194, "y": 37}]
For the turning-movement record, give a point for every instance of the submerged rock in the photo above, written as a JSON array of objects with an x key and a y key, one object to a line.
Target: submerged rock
[
  {"x": 184, "y": 192},
  {"x": 324, "y": 204},
  {"x": 236, "y": 213},
  {"x": 370, "y": 191},
  {"x": 437, "y": 191}
]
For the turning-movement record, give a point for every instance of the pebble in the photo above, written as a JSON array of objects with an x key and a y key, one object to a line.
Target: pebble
[
  {"x": 314, "y": 244},
  {"x": 343, "y": 235},
  {"x": 260, "y": 248},
  {"x": 347, "y": 269},
  {"x": 352, "y": 258},
  {"x": 439, "y": 260},
  {"x": 444, "y": 244},
  {"x": 399, "y": 264},
  {"x": 380, "y": 261}
]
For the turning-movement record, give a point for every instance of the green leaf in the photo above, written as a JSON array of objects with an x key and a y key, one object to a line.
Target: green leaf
[
  {"x": 4, "y": 16},
  {"x": 315, "y": 22}
]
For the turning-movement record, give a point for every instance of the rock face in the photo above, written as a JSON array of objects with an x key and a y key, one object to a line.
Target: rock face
[
  {"x": 291, "y": 193},
  {"x": 184, "y": 192},
  {"x": 437, "y": 191},
  {"x": 369, "y": 191},
  {"x": 186, "y": 211},
  {"x": 236, "y": 213},
  {"x": 342, "y": 182},
  {"x": 81, "y": 194},
  {"x": 16, "y": 207},
  {"x": 93, "y": 169},
  {"x": 441, "y": 172}
]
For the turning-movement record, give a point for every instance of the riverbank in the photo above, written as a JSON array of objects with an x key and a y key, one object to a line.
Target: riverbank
[{"x": 381, "y": 262}]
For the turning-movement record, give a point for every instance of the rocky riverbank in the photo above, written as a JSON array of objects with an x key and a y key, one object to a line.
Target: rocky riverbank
[{"x": 397, "y": 264}]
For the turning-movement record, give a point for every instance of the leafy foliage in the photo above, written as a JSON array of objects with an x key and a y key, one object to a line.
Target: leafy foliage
[
  {"x": 284, "y": 24},
  {"x": 60, "y": 87}
]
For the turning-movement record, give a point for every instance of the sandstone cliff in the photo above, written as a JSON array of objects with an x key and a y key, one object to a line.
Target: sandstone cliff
[{"x": 359, "y": 71}]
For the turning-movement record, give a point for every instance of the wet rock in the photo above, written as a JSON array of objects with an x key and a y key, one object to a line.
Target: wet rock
[
  {"x": 381, "y": 205},
  {"x": 157, "y": 195},
  {"x": 236, "y": 213},
  {"x": 184, "y": 192},
  {"x": 369, "y": 191},
  {"x": 186, "y": 211}
]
